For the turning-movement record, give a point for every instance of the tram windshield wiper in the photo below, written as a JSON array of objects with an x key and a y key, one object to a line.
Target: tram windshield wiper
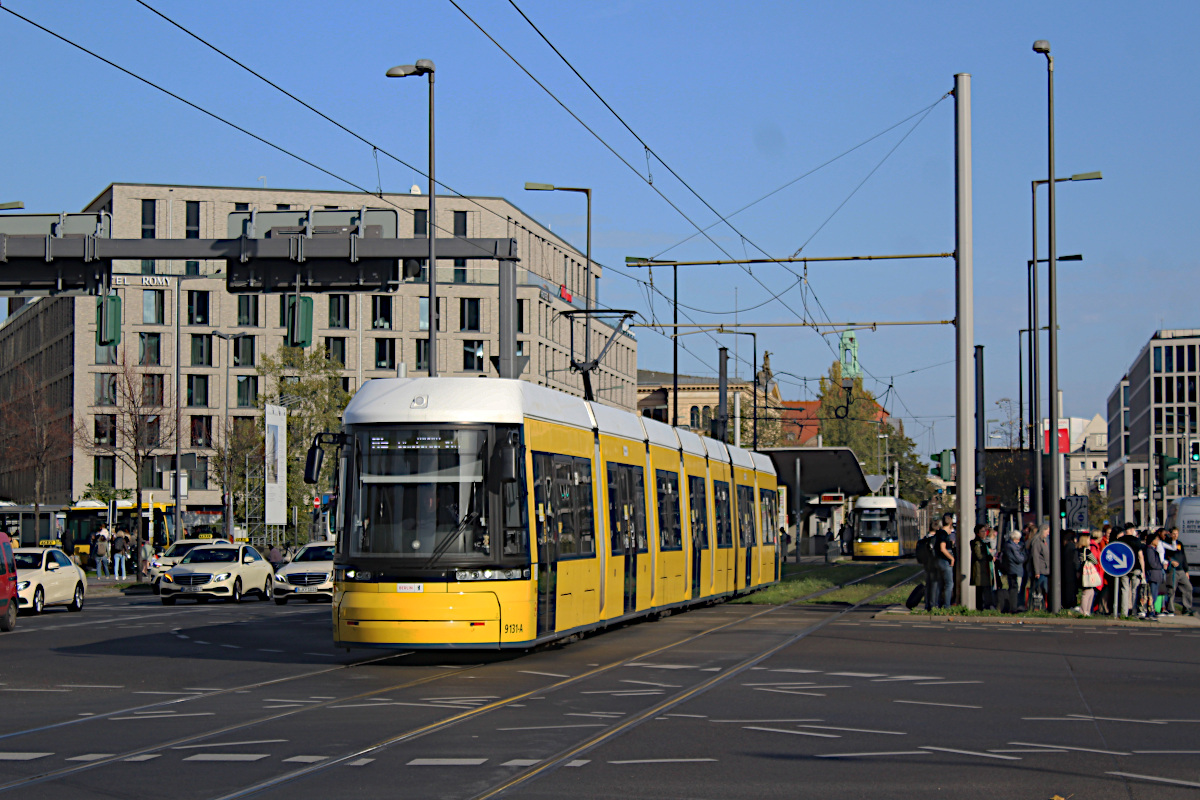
[{"x": 449, "y": 538}]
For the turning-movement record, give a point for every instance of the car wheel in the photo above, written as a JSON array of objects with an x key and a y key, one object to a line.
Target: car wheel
[
  {"x": 266, "y": 591},
  {"x": 281, "y": 601},
  {"x": 9, "y": 620},
  {"x": 39, "y": 601},
  {"x": 168, "y": 600},
  {"x": 236, "y": 597},
  {"x": 77, "y": 600}
]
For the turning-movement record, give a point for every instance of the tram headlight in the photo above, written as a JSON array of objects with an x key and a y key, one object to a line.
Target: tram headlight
[{"x": 489, "y": 574}]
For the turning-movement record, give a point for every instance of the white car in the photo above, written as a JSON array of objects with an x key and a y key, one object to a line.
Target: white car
[
  {"x": 308, "y": 575},
  {"x": 173, "y": 555},
  {"x": 225, "y": 571},
  {"x": 46, "y": 577}
]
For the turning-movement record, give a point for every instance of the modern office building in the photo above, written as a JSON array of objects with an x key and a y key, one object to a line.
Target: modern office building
[
  {"x": 1153, "y": 409},
  {"x": 172, "y": 307}
]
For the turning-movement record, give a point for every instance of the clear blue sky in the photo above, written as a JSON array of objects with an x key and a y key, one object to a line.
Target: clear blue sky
[{"x": 739, "y": 98}]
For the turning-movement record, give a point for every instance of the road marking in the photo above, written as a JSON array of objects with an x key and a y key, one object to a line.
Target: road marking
[
  {"x": 22, "y": 756},
  {"x": 595, "y": 714},
  {"x": 857, "y": 674},
  {"x": 323, "y": 655},
  {"x": 202, "y": 689},
  {"x": 521, "y": 762},
  {"x": 142, "y": 757},
  {"x": 711, "y": 669},
  {"x": 869, "y": 755},
  {"x": 663, "y": 761},
  {"x": 971, "y": 753},
  {"x": 794, "y": 733},
  {"x": 943, "y": 683},
  {"x": 693, "y": 716},
  {"x": 285, "y": 705},
  {"x": 359, "y": 762},
  {"x": 660, "y": 666},
  {"x": 943, "y": 705},
  {"x": 1023, "y": 750},
  {"x": 227, "y": 744},
  {"x": 544, "y": 674},
  {"x": 791, "y": 691},
  {"x": 579, "y": 762},
  {"x": 89, "y": 686},
  {"x": 91, "y": 757},
  {"x": 625, "y": 692},
  {"x": 907, "y": 678},
  {"x": 1066, "y": 747},
  {"x": 551, "y": 727},
  {"x": 1168, "y": 752},
  {"x": 35, "y": 690},
  {"x": 652, "y": 683},
  {"x": 1117, "y": 719},
  {"x": 744, "y": 721},
  {"x": 232, "y": 646},
  {"x": 165, "y": 716},
  {"x": 804, "y": 671},
  {"x": 781, "y": 685},
  {"x": 1155, "y": 779},
  {"x": 170, "y": 693},
  {"x": 227, "y": 757},
  {"x": 855, "y": 730},
  {"x": 447, "y": 762},
  {"x": 1054, "y": 719},
  {"x": 266, "y": 650}
]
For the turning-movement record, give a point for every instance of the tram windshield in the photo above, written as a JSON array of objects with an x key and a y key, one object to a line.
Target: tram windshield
[
  {"x": 422, "y": 495},
  {"x": 875, "y": 525}
]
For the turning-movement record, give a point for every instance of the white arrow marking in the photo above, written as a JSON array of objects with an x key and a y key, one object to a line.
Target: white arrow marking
[{"x": 1118, "y": 561}]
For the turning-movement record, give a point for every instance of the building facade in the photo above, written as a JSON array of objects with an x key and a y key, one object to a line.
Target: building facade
[
  {"x": 1153, "y": 409},
  {"x": 699, "y": 399},
  {"x": 181, "y": 310}
]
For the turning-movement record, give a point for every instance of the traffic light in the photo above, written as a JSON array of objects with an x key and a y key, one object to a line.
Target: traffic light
[
  {"x": 1102, "y": 483},
  {"x": 1062, "y": 511},
  {"x": 108, "y": 320},
  {"x": 299, "y": 322},
  {"x": 1165, "y": 473},
  {"x": 943, "y": 465},
  {"x": 1194, "y": 451}
]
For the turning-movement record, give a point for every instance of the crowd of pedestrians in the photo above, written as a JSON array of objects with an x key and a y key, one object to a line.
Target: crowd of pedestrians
[
  {"x": 115, "y": 554},
  {"x": 1011, "y": 574}
]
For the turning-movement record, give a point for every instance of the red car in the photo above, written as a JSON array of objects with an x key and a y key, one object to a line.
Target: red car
[{"x": 8, "y": 585}]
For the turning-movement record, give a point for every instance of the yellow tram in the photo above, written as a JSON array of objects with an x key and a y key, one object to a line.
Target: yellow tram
[
  {"x": 501, "y": 514},
  {"x": 884, "y": 527}
]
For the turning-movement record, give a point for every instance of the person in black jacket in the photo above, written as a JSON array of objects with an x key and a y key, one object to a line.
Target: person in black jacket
[
  {"x": 1154, "y": 574},
  {"x": 1012, "y": 564}
]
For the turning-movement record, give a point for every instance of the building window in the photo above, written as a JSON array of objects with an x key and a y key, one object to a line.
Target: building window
[
  {"x": 460, "y": 223},
  {"x": 201, "y": 349},
  {"x": 104, "y": 469},
  {"x": 694, "y": 417},
  {"x": 154, "y": 304},
  {"x": 1158, "y": 359},
  {"x": 521, "y": 316},
  {"x": 197, "y": 308},
  {"x": 381, "y": 312},
  {"x": 149, "y": 211},
  {"x": 420, "y": 223},
  {"x": 472, "y": 355},
  {"x": 106, "y": 354},
  {"x": 521, "y": 345},
  {"x": 283, "y": 310},
  {"x": 339, "y": 311},
  {"x": 106, "y": 389},
  {"x": 468, "y": 314},
  {"x": 422, "y": 359},
  {"x": 191, "y": 268},
  {"x": 385, "y": 354},
  {"x": 150, "y": 349},
  {"x": 705, "y": 419},
  {"x": 105, "y": 432},
  {"x": 241, "y": 206},
  {"x": 147, "y": 266},
  {"x": 247, "y": 391},
  {"x": 149, "y": 478},
  {"x": 152, "y": 390},
  {"x": 283, "y": 206},
  {"x": 335, "y": 349},
  {"x": 192, "y": 222},
  {"x": 198, "y": 477},
  {"x": 149, "y": 429},
  {"x": 201, "y": 431},
  {"x": 197, "y": 391},
  {"x": 247, "y": 310},
  {"x": 460, "y": 270},
  {"x": 243, "y": 352},
  {"x": 423, "y": 313}
]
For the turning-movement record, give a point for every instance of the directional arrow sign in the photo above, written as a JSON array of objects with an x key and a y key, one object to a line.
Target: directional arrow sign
[{"x": 1116, "y": 559}]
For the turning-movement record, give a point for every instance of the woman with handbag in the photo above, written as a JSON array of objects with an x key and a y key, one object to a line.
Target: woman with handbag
[{"x": 1093, "y": 577}]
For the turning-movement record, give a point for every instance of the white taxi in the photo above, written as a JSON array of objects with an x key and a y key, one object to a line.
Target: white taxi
[
  {"x": 46, "y": 577},
  {"x": 160, "y": 564},
  {"x": 309, "y": 575},
  {"x": 224, "y": 571}
]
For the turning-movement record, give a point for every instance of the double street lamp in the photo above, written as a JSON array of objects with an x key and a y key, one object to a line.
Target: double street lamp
[
  {"x": 587, "y": 280},
  {"x": 425, "y": 67}
]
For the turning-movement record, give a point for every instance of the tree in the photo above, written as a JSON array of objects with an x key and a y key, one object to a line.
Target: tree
[
  {"x": 1009, "y": 426},
  {"x": 242, "y": 438},
  {"x": 1098, "y": 510},
  {"x": 35, "y": 433},
  {"x": 104, "y": 492},
  {"x": 140, "y": 421},
  {"x": 309, "y": 385}
]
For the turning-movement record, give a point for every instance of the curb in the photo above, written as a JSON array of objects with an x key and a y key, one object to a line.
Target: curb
[{"x": 899, "y": 616}]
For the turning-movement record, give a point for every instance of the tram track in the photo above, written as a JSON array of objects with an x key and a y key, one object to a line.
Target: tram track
[{"x": 394, "y": 739}]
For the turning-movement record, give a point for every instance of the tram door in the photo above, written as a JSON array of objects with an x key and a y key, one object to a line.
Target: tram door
[
  {"x": 746, "y": 537},
  {"x": 627, "y": 524},
  {"x": 699, "y": 508},
  {"x": 547, "y": 545}
]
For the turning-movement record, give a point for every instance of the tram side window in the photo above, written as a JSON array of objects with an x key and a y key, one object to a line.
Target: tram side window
[
  {"x": 698, "y": 501},
  {"x": 769, "y": 515},
  {"x": 670, "y": 537},
  {"x": 745, "y": 502},
  {"x": 721, "y": 507},
  {"x": 563, "y": 495},
  {"x": 626, "y": 508}
]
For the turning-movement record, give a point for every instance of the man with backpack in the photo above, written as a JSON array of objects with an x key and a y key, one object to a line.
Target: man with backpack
[
  {"x": 925, "y": 558},
  {"x": 943, "y": 552}
]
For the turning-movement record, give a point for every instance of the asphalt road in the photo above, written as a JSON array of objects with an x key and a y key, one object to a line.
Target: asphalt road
[{"x": 131, "y": 699}]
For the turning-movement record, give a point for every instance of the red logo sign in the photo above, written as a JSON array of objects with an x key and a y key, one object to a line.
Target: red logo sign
[
  {"x": 563, "y": 293},
  {"x": 1064, "y": 441}
]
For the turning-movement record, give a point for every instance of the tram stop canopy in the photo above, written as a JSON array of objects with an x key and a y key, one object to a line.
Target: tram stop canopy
[{"x": 822, "y": 470}]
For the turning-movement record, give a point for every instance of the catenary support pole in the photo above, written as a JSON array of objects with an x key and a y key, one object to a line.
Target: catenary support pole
[
  {"x": 1055, "y": 410},
  {"x": 965, "y": 333},
  {"x": 434, "y": 319},
  {"x": 980, "y": 438}
]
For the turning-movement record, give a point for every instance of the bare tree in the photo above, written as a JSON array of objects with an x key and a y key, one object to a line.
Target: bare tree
[
  {"x": 140, "y": 422},
  {"x": 1009, "y": 427},
  {"x": 35, "y": 432}
]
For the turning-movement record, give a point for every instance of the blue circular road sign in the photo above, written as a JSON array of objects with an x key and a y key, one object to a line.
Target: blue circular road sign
[{"x": 1117, "y": 559}]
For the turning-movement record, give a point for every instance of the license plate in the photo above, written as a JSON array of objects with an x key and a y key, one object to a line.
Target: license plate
[
  {"x": 410, "y": 588},
  {"x": 191, "y": 588},
  {"x": 306, "y": 588}
]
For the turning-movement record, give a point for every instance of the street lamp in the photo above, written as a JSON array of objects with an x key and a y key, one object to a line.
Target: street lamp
[
  {"x": 228, "y": 337},
  {"x": 12, "y": 206},
  {"x": 425, "y": 67},
  {"x": 587, "y": 281}
]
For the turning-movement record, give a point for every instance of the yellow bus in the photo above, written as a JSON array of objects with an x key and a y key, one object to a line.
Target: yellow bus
[
  {"x": 501, "y": 514},
  {"x": 87, "y": 516}
]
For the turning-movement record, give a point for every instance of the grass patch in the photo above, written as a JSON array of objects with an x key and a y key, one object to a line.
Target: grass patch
[
  {"x": 807, "y": 582},
  {"x": 861, "y": 591},
  {"x": 900, "y": 593},
  {"x": 963, "y": 611}
]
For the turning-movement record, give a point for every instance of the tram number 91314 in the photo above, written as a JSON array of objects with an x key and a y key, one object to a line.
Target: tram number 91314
[{"x": 514, "y": 627}]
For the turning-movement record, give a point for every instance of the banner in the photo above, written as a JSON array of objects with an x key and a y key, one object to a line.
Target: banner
[
  {"x": 275, "y": 484},
  {"x": 1064, "y": 441}
]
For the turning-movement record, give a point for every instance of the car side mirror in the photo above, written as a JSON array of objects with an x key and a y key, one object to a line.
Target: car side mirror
[
  {"x": 312, "y": 465},
  {"x": 247, "y": 560}
]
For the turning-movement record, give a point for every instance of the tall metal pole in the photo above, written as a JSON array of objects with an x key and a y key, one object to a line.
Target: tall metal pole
[
  {"x": 675, "y": 348},
  {"x": 1035, "y": 374},
  {"x": 177, "y": 489},
  {"x": 433, "y": 315},
  {"x": 964, "y": 249},
  {"x": 1052, "y": 367},
  {"x": 587, "y": 284},
  {"x": 1020, "y": 394},
  {"x": 980, "y": 436},
  {"x": 754, "y": 339},
  {"x": 225, "y": 430}
]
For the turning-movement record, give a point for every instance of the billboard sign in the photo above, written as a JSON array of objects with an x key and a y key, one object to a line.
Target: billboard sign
[
  {"x": 276, "y": 466},
  {"x": 1064, "y": 441}
]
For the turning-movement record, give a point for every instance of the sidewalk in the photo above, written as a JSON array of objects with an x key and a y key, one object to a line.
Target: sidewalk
[
  {"x": 107, "y": 587},
  {"x": 900, "y": 613}
]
